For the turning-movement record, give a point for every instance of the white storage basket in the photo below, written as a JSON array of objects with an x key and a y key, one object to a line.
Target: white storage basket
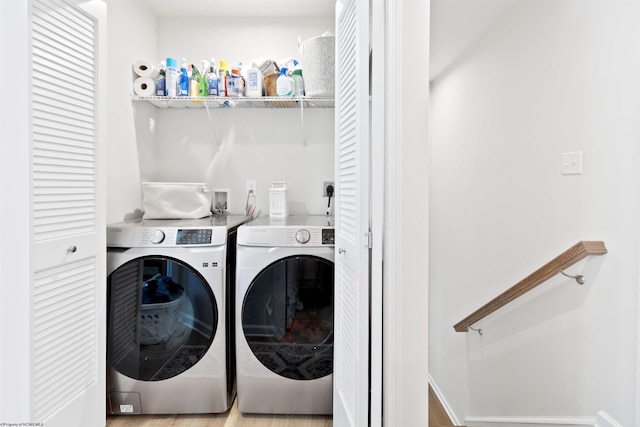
[
  {"x": 176, "y": 200},
  {"x": 318, "y": 66}
]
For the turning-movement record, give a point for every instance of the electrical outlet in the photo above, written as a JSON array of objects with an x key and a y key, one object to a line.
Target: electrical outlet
[
  {"x": 325, "y": 184},
  {"x": 251, "y": 186}
]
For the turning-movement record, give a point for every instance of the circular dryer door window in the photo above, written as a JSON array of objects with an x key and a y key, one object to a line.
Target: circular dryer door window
[
  {"x": 162, "y": 318},
  {"x": 287, "y": 317}
]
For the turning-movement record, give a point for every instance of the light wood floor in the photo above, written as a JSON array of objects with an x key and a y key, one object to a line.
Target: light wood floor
[{"x": 232, "y": 418}]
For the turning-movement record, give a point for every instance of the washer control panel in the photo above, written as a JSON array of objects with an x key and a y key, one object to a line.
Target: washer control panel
[
  {"x": 303, "y": 236},
  {"x": 195, "y": 236},
  {"x": 131, "y": 237},
  {"x": 328, "y": 236}
]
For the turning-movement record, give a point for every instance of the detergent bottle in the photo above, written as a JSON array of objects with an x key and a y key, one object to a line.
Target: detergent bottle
[
  {"x": 184, "y": 79},
  {"x": 284, "y": 84},
  {"x": 212, "y": 78}
]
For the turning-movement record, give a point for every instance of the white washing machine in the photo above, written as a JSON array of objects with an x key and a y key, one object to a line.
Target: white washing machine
[
  {"x": 284, "y": 315},
  {"x": 170, "y": 341}
]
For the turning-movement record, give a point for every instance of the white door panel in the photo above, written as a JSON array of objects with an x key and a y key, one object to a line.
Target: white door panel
[
  {"x": 63, "y": 262},
  {"x": 351, "y": 365}
]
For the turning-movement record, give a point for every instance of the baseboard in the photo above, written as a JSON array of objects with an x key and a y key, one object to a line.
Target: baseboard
[
  {"x": 530, "y": 421},
  {"x": 606, "y": 420},
  {"x": 602, "y": 419},
  {"x": 443, "y": 401}
]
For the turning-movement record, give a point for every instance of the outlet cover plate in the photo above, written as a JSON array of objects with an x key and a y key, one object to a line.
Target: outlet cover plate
[
  {"x": 572, "y": 163},
  {"x": 251, "y": 185},
  {"x": 324, "y": 188}
]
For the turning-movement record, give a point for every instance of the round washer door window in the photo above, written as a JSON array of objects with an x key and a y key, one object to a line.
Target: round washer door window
[
  {"x": 162, "y": 318},
  {"x": 287, "y": 317}
]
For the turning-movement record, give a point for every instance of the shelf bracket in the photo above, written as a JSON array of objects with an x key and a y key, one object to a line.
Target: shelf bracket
[{"x": 213, "y": 126}]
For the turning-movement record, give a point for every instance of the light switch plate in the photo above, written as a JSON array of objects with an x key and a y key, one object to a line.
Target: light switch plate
[{"x": 572, "y": 163}]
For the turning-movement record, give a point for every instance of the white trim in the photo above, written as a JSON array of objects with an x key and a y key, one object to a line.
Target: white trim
[
  {"x": 536, "y": 421},
  {"x": 606, "y": 420},
  {"x": 392, "y": 247},
  {"x": 447, "y": 408},
  {"x": 376, "y": 197}
]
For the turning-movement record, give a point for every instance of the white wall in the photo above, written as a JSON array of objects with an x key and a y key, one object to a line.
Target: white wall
[
  {"x": 222, "y": 147},
  {"x": 131, "y": 34},
  {"x": 550, "y": 77}
]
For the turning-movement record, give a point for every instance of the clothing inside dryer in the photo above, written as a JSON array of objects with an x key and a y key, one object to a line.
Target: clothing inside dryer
[
  {"x": 162, "y": 318},
  {"x": 287, "y": 317}
]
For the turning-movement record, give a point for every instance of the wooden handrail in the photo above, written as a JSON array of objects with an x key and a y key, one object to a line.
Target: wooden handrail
[{"x": 566, "y": 259}]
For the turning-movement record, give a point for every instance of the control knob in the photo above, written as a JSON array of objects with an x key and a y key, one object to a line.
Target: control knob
[
  {"x": 157, "y": 237},
  {"x": 303, "y": 236}
]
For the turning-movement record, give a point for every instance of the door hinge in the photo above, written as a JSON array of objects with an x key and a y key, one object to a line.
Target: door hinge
[{"x": 370, "y": 240}]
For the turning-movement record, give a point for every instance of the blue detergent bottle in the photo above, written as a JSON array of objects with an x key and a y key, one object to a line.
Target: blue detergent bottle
[{"x": 184, "y": 79}]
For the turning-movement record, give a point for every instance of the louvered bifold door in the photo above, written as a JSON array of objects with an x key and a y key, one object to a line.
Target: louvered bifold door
[
  {"x": 64, "y": 143},
  {"x": 351, "y": 360}
]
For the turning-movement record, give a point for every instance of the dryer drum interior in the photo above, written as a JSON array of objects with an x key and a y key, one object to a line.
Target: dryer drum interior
[
  {"x": 287, "y": 317},
  {"x": 162, "y": 318}
]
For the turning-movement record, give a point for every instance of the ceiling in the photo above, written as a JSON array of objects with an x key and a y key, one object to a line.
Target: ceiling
[
  {"x": 455, "y": 24},
  {"x": 241, "y": 8}
]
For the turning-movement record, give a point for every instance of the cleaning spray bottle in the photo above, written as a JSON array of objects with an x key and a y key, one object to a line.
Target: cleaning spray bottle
[
  {"x": 212, "y": 78},
  {"x": 194, "y": 81},
  {"x": 184, "y": 79},
  {"x": 298, "y": 81},
  {"x": 202, "y": 80},
  {"x": 284, "y": 84}
]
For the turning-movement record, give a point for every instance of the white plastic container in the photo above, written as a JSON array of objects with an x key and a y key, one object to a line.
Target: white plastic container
[
  {"x": 254, "y": 82},
  {"x": 318, "y": 65},
  {"x": 278, "y": 201}
]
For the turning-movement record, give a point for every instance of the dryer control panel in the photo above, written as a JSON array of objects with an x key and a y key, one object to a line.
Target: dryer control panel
[
  {"x": 305, "y": 231},
  {"x": 309, "y": 237}
]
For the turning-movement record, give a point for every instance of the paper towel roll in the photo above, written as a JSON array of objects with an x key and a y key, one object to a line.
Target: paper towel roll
[
  {"x": 145, "y": 68},
  {"x": 144, "y": 86}
]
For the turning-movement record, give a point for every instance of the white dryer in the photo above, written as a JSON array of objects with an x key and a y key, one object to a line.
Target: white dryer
[
  {"x": 284, "y": 315},
  {"x": 170, "y": 341}
]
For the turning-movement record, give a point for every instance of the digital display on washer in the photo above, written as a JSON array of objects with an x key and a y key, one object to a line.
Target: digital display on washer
[
  {"x": 194, "y": 236},
  {"x": 328, "y": 236}
]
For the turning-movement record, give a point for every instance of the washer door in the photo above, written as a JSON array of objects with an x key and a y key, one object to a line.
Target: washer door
[
  {"x": 287, "y": 317},
  {"x": 162, "y": 318}
]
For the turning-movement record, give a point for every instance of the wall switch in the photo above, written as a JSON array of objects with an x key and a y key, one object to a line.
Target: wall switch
[
  {"x": 572, "y": 163},
  {"x": 325, "y": 184},
  {"x": 251, "y": 185},
  {"x": 152, "y": 124}
]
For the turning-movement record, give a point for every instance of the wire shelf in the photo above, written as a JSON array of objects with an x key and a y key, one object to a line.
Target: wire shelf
[{"x": 196, "y": 102}]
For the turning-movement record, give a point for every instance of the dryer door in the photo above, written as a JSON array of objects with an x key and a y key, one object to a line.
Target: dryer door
[
  {"x": 162, "y": 318},
  {"x": 287, "y": 317}
]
